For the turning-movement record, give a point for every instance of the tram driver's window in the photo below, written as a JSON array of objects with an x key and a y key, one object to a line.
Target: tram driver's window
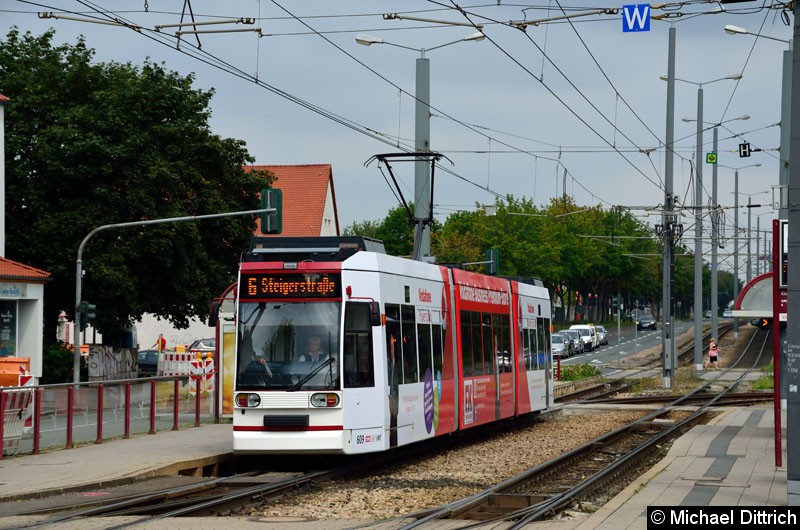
[{"x": 358, "y": 364}]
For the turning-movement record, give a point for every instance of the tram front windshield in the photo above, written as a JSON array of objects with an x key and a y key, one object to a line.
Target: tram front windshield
[{"x": 288, "y": 346}]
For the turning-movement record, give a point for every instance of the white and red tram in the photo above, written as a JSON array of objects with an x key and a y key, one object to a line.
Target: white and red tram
[{"x": 410, "y": 350}]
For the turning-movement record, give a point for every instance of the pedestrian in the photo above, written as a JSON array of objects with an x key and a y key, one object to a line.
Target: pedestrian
[
  {"x": 713, "y": 356},
  {"x": 160, "y": 344}
]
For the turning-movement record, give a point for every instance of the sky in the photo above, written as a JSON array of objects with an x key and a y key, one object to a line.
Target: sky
[{"x": 571, "y": 103}]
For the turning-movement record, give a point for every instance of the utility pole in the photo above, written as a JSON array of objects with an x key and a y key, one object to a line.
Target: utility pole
[
  {"x": 668, "y": 223},
  {"x": 792, "y": 369}
]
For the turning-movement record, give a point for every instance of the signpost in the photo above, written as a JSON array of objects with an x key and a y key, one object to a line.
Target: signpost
[{"x": 635, "y": 17}]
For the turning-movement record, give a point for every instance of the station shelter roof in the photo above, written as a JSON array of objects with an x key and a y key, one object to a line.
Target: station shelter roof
[{"x": 755, "y": 299}]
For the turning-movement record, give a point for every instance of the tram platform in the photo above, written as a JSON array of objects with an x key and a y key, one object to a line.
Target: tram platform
[{"x": 728, "y": 462}]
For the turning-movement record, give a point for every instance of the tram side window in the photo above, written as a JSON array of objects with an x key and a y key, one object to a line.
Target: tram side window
[
  {"x": 359, "y": 370},
  {"x": 530, "y": 358},
  {"x": 502, "y": 340},
  {"x": 409, "y": 332},
  {"x": 543, "y": 339},
  {"x": 466, "y": 343},
  {"x": 393, "y": 344},
  {"x": 487, "y": 366},
  {"x": 536, "y": 351},
  {"x": 425, "y": 353},
  {"x": 438, "y": 354}
]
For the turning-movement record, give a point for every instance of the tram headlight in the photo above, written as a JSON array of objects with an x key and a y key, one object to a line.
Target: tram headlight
[
  {"x": 328, "y": 399},
  {"x": 245, "y": 400}
]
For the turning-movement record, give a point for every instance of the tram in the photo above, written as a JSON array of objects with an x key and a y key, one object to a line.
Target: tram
[{"x": 404, "y": 350}]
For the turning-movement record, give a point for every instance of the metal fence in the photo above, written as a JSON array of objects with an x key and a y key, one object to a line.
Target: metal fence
[{"x": 36, "y": 418}]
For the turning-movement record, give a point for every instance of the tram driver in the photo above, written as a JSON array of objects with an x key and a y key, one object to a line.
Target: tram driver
[{"x": 314, "y": 353}]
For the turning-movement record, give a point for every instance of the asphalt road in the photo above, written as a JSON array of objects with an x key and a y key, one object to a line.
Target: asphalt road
[{"x": 623, "y": 342}]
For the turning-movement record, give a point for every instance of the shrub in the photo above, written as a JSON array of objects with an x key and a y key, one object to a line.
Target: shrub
[
  {"x": 576, "y": 372},
  {"x": 57, "y": 363}
]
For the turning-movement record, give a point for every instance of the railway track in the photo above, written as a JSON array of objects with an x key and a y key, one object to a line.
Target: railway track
[
  {"x": 532, "y": 495},
  {"x": 545, "y": 490},
  {"x": 730, "y": 399}
]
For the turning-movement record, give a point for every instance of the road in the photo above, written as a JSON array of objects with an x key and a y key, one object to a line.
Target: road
[{"x": 623, "y": 343}]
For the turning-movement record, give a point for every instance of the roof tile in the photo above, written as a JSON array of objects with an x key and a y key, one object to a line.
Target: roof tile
[
  {"x": 17, "y": 271},
  {"x": 305, "y": 188}
]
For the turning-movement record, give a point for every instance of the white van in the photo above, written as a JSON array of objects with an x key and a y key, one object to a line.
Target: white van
[{"x": 588, "y": 335}]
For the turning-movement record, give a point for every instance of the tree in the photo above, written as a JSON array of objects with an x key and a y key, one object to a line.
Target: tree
[
  {"x": 95, "y": 144},
  {"x": 395, "y": 231}
]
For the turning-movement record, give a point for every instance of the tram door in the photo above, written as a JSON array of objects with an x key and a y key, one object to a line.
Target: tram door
[{"x": 362, "y": 399}]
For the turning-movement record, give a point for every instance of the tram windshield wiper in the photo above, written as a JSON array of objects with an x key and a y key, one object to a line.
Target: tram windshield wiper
[{"x": 309, "y": 375}]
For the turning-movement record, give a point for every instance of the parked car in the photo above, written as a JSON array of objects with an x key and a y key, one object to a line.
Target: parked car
[
  {"x": 727, "y": 314},
  {"x": 646, "y": 322},
  {"x": 147, "y": 363},
  {"x": 559, "y": 345},
  {"x": 588, "y": 334},
  {"x": 202, "y": 346},
  {"x": 708, "y": 314},
  {"x": 577, "y": 343},
  {"x": 602, "y": 335}
]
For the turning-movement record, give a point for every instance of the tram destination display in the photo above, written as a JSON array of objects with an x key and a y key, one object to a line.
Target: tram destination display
[{"x": 271, "y": 285}]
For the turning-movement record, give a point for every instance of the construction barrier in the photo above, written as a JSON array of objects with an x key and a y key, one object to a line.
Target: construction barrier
[
  {"x": 174, "y": 364},
  {"x": 203, "y": 370},
  {"x": 11, "y": 367},
  {"x": 15, "y": 408}
]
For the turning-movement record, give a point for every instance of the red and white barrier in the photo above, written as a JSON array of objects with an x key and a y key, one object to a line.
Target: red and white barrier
[
  {"x": 17, "y": 402},
  {"x": 175, "y": 364}
]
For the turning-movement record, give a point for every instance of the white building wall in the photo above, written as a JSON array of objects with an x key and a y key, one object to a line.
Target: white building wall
[
  {"x": 150, "y": 326},
  {"x": 328, "y": 216}
]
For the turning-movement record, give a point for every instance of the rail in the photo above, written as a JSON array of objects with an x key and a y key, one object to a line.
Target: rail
[{"x": 36, "y": 418}]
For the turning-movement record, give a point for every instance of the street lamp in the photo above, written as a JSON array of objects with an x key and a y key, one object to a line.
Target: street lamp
[
  {"x": 730, "y": 29},
  {"x": 715, "y": 229},
  {"x": 698, "y": 232},
  {"x": 422, "y": 134},
  {"x": 736, "y": 239}
]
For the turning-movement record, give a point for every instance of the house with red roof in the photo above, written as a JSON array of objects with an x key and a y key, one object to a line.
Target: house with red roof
[
  {"x": 309, "y": 200},
  {"x": 21, "y": 297},
  {"x": 309, "y": 209}
]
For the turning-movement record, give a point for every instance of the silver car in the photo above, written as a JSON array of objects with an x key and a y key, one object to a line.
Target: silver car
[
  {"x": 602, "y": 335},
  {"x": 577, "y": 342},
  {"x": 559, "y": 345}
]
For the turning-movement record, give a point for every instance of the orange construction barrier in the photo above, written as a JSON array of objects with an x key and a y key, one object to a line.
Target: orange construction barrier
[{"x": 11, "y": 367}]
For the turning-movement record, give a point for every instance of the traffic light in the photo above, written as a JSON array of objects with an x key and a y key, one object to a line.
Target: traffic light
[
  {"x": 493, "y": 259},
  {"x": 615, "y": 303},
  {"x": 87, "y": 313},
  {"x": 764, "y": 323},
  {"x": 272, "y": 222},
  {"x": 91, "y": 312}
]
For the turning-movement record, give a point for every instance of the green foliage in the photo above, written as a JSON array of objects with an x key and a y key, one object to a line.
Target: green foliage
[
  {"x": 92, "y": 144},
  {"x": 576, "y": 372},
  {"x": 766, "y": 381},
  {"x": 57, "y": 364},
  {"x": 573, "y": 249},
  {"x": 395, "y": 231}
]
